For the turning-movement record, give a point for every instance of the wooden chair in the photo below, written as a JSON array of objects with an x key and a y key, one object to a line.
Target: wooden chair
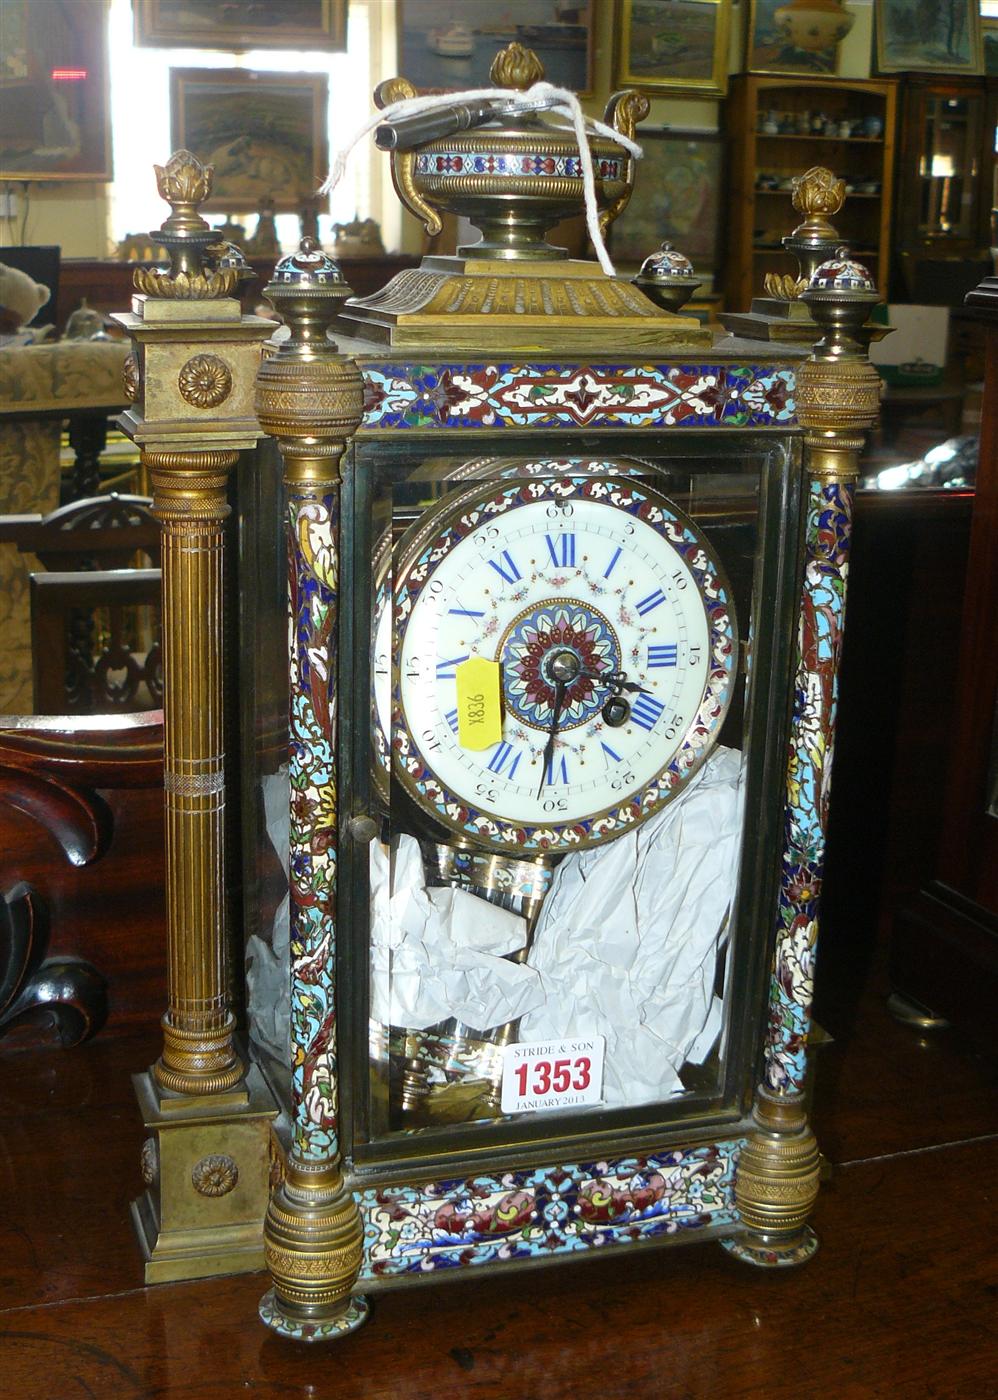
[{"x": 94, "y": 617}]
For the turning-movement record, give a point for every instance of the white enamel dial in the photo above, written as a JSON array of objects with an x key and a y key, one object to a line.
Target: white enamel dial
[{"x": 585, "y": 592}]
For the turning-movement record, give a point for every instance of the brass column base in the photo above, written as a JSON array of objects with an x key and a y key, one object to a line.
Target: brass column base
[
  {"x": 314, "y": 1241},
  {"x": 207, "y": 1169},
  {"x": 777, "y": 1185}
]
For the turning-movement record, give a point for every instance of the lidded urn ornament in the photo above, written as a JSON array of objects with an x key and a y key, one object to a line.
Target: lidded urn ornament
[{"x": 514, "y": 169}]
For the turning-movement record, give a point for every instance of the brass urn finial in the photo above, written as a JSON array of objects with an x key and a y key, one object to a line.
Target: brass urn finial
[
  {"x": 816, "y": 194},
  {"x": 516, "y": 67},
  {"x": 185, "y": 184}
]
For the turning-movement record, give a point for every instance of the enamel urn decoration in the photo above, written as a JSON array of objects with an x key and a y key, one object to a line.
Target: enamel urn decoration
[{"x": 566, "y": 582}]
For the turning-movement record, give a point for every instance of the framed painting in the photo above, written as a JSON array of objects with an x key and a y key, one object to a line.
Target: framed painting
[
  {"x": 784, "y": 37},
  {"x": 929, "y": 36},
  {"x": 447, "y": 45},
  {"x": 675, "y": 45},
  {"x": 677, "y": 196},
  {"x": 989, "y": 35},
  {"x": 54, "y": 99},
  {"x": 241, "y": 24},
  {"x": 265, "y": 133}
]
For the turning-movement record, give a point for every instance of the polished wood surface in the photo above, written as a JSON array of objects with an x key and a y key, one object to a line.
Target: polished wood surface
[{"x": 899, "y": 1300}]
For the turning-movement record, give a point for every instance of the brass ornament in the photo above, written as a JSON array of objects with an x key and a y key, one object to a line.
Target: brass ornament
[
  {"x": 776, "y": 1183},
  {"x": 514, "y": 205},
  {"x": 199, "y": 286},
  {"x": 184, "y": 184},
  {"x": 149, "y": 1161},
  {"x": 403, "y": 163},
  {"x": 205, "y": 381},
  {"x": 516, "y": 67},
  {"x": 215, "y": 1175},
  {"x": 313, "y": 1240},
  {"x": 838, "y": 395},
  {"x": 817, "y": 194},
  {"x": 130, "y": 378},
  {"x": 784, "y": 286}
]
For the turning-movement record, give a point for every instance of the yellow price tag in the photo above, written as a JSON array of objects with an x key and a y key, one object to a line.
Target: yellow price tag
[{"x": 479, "y": 710}]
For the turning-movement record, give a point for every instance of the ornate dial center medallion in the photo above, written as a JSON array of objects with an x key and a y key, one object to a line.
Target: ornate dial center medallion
[{"x": 532, "y": 655}]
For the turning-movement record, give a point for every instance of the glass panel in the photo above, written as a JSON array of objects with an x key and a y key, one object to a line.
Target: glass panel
[
  {"x": 263, "y": 769},
  {"x": 554, "y": 910},
  {"x": 948, "y": 166}
]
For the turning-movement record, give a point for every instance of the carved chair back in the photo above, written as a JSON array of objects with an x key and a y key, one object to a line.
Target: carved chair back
[{"x": 94, "y": 615}]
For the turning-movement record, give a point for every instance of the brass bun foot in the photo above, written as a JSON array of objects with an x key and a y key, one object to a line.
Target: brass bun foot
[
  {"x": 197, "y": 1062},
  {"x": 776, "y": 1184},
  {"x": 206, "y": 1165},
  {"x": 313, "y": 1238},
  {"x": 780, "y": 1254}
]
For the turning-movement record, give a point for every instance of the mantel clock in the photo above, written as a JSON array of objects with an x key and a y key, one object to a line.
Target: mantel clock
[{"x": 567, "y": 579}]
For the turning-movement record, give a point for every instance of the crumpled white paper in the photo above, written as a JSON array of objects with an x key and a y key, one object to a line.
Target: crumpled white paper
[
  {"x": 438, "y": 953},
  {"x": 627, "y": 941}
]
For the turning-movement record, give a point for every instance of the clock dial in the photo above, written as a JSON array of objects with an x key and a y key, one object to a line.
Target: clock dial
[{"x": 608, "y": 614}]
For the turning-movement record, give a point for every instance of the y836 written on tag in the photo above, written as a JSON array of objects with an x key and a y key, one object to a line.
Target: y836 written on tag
[{"x": 545, "y": 1074}]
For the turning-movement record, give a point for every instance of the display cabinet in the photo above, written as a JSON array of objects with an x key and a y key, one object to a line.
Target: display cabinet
[
  {"x": 777, "y": 128},
  {"x": 945, "y": 185}
]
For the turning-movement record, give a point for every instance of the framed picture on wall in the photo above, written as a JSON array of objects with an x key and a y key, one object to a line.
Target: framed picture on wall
[
  {"x": 796, "y": 36},
  {"x": 941, "y": 37},
  {"x": 446, "y": 45},
  {"x": 265, "y": 133},
  {"x": 677, "y": 196},
  {"x": 673, "y": 45},
  {"x": 241, "y": 24},
  {"x": 54, "y": 100},
  {"x": 989, "y": 35}
]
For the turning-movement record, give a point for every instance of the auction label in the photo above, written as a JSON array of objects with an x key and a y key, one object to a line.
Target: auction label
[{"x": 543, "y": 1074}]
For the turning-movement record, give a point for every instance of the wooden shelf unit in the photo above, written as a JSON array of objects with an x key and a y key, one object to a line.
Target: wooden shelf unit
[{"x": 757, "y": 219}]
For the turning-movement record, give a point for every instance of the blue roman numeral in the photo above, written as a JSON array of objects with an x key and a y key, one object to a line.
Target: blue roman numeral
[
  {"x": 501, "y": 757},
  {"x": 451, "y": 718},
  {"x": 613, "y": 563},
  {"x": 607, "y": 750},
  {"x": 667, "y": 655},
  {"x": 559, "y": 774},
  {"x": 646, "y": 711},
  {"x": 650, "y": 603},
  {"x": 464, "y": 612},
  {"x": 447, "y": 670},
  {"x": 562, "y": 553},
  {"x": 514, "y": 573}
]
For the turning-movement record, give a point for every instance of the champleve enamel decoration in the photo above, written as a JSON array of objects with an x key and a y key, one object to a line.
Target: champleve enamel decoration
[{"x": 612, "y": 622}]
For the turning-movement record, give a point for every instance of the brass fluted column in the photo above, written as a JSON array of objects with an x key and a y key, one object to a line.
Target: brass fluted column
[
  {"x": 309, "y": 397},
  {"x": 190, "y": 379},
  {"x": 838, "y": 397},
  {"x": 189, "y": 497}
]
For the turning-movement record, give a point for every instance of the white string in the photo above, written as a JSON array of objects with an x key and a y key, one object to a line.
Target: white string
[{"x": 560, "y": 100}]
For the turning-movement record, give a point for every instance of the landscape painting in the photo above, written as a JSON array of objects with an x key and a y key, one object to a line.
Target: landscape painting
[
  {"x": 241, "y": 24},
  {"x": 447, "y": 45},
  {"x": 681, "y": 45},
  {"x": 937, "y": 36},
  {"x": 265, "y": 133}
]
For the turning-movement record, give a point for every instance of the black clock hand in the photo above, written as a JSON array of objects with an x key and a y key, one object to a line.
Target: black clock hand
[
  {"x": 559, "y": 697},
  {"x": 616, "y": 680}
]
